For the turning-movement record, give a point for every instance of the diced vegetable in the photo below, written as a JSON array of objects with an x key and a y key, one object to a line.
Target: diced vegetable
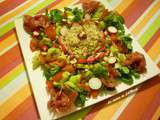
[
  {"x": 52, "y": 51},
  {"x": 114, "y": 49},
  {"x": 121, "y": 57},
  {"x": 36, "y": 60},
  {"x": 102, "y": 24},
  {"x": 95, "y": 83},
  {"x": 75, "y": 78},
  {"x": 57, "y": 84},
  {"x": 71, "y": 85},
  {"x": 65, "y": 76}
]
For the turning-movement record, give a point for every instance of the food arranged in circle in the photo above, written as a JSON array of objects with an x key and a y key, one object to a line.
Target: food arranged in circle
[{"x": 82, "y": 53}]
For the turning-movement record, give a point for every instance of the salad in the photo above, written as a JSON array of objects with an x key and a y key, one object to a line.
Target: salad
[{"x": 82, "y": 53}]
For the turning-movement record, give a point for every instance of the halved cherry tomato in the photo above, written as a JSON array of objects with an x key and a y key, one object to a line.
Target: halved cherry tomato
[
  {"x": 90, "y": 59},
  {"x": 102, "y": 48},
  {"x": 44, "y": 48},
  {"x": 61, "y": 44},
  {"x": 82, "y": 60},
  {"x": 49, "y": 85},
  {"x": 33, "y": 45},
  {"x": 94, "y": 93},
  {"x": 99, "y": 56},
  {"x": 50, "y": 32},
  {"x": 54, "y": 44}
]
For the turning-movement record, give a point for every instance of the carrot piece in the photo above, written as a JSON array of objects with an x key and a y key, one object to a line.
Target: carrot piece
[{"x": 33, "y": 45}]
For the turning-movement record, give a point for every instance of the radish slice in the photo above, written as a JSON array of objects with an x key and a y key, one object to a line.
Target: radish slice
[
  {"x": 111, "y": 60},
  {"x": 112, "y": 29},
  {"x": 95, "y": 83}
]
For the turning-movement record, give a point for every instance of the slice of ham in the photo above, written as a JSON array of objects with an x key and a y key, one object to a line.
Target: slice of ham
[
  {"x": 34, "y": 23},
  {"x": 121, "y": 46},
  {"x": 90, "y": 6},
  {"x": 137, "y": 61}
]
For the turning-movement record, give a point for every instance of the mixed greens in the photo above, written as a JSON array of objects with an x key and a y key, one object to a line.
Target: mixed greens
[{"x": 82, "y": 52}]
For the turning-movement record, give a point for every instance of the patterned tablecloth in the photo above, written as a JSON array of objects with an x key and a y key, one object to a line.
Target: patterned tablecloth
[{"x": 16, "y": 100}]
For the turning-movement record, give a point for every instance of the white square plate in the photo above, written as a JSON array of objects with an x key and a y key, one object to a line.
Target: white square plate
[{"x": 38, "y": 83}]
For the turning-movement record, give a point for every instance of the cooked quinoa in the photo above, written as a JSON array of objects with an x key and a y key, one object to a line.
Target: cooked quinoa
[{"x": 82, "y": 47}]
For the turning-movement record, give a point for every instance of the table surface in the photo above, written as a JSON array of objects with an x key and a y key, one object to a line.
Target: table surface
[{"x": 16, "y": 99}]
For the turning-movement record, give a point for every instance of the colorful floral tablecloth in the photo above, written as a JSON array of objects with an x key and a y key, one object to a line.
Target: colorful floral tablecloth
[{"x": 16, "y": 99}]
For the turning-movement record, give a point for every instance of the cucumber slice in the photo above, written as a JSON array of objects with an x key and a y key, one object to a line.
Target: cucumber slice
[{"x": 95, "y": 83}]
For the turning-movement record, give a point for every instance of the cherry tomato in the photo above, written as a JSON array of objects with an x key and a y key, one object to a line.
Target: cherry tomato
[
  {"x": 90, "y": 59},
  {"x": 61, "y": 44},
  {"x": 82, "y": 60}
]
